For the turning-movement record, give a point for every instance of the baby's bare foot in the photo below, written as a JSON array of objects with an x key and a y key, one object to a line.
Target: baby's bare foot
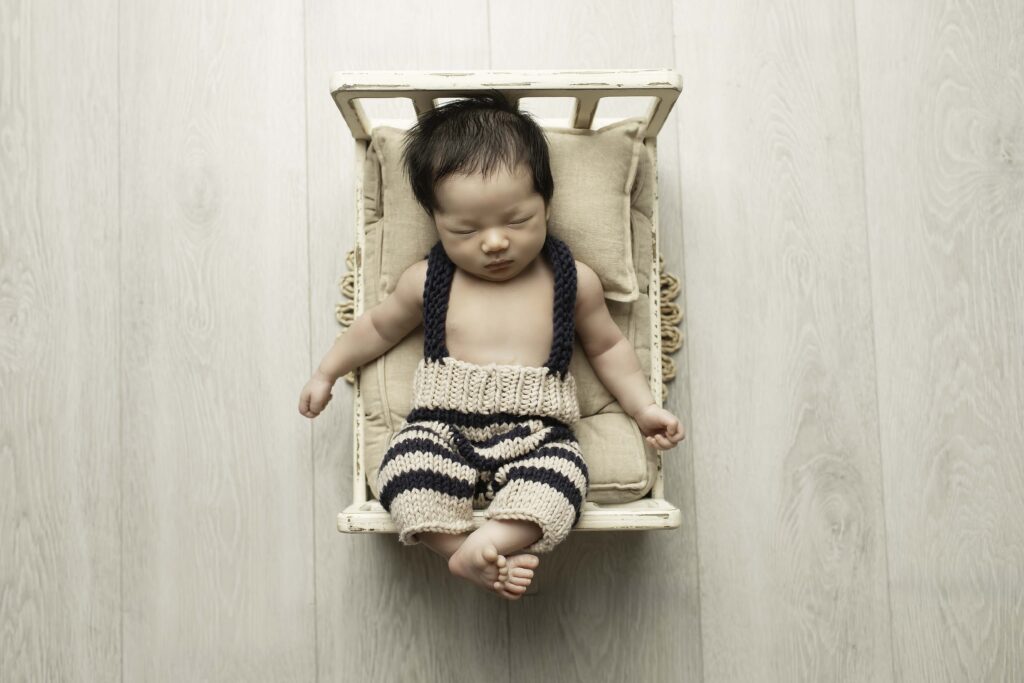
[
  {"x": 478, "y": 565},
  {"x": 516, "y": 574}
]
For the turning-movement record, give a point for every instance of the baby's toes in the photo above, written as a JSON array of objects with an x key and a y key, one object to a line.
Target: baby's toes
[
  {"x": 521, "y": 573},
  {"x": 524, "y": 561}
]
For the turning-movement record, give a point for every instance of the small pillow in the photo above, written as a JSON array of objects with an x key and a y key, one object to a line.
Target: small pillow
[{"x": 593, "y": 171}]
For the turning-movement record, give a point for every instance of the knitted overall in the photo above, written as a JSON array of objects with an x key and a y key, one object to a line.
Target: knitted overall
[{"x": 494, "y": 437}]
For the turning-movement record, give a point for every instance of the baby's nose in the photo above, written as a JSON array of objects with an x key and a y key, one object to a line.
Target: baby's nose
[{"x": 494, "y": 243}]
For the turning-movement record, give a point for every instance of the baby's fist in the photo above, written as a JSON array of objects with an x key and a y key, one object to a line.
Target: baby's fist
[
  {"x": 315, "y": 395},
  {"x": 660, "y": 427}
]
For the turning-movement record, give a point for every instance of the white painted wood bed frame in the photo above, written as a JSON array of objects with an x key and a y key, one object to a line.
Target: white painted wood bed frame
[{"x": 587, "y": 87}]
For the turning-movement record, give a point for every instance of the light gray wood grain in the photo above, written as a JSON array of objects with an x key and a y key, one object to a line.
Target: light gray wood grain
[
  {"x": 620, "y": 605},
  {"x": 60, "y": 548},
  {"x": 943, "y": 108},
  {"x": 218, "y": 542},
  {"x": 175, "y": 208},
  {"x": 785, "y": 425},
  {"x": 384, "y": 611}
]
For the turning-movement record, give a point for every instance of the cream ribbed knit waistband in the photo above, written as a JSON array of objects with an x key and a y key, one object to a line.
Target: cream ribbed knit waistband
[{"x": 454, "y": 384}]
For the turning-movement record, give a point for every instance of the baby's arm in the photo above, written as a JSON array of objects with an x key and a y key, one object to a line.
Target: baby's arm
[
  {"x": 378, "y": 329},
  {"x": 616, "y": 364}
]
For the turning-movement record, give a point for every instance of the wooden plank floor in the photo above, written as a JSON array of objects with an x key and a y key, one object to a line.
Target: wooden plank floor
[
  {"x": 842, "y": 196},
  {"x": 943, "y": 120},
  {"x": 785, "y": 428},
  {"x": 217, "y": 552}
]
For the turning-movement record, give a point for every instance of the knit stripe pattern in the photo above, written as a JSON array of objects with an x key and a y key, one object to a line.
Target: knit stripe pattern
[
  {"x": 496, "y": 437},
  {"x": 443, "y": 464}
]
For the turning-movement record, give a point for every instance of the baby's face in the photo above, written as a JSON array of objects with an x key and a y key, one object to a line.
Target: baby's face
[{"x": 499, "y": 218}]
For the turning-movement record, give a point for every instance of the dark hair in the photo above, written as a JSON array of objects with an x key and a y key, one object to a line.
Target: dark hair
[{"x": 472, "y": 135}]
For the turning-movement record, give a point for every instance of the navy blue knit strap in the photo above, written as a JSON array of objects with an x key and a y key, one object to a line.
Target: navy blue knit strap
[
  {"x": 564, "y": 327},
  {"x": 436, "y": 289},
  {"x": 440, "y": 271}
]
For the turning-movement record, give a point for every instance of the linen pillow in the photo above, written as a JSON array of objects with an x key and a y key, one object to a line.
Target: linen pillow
[{"x": 593, "y": 171}]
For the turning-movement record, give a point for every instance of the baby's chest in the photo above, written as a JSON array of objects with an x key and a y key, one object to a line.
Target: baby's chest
[{"x": 507, "y": 324}]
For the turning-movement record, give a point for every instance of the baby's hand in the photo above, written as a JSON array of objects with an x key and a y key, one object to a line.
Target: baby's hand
[
  {"x": 661, "y": 427},
  {"x": 315, "y": 395}
]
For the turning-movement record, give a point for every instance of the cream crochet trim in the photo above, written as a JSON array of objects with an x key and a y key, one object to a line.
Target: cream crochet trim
[{"x": 521, "y": 390}]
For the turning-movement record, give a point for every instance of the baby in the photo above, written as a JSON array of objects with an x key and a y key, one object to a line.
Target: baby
[{"x": 494, "y": 403}]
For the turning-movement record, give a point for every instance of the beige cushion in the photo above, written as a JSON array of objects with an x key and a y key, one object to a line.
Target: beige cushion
[
  {"x": 594, "y": 173},
  {"x": 622, "y": 465}
]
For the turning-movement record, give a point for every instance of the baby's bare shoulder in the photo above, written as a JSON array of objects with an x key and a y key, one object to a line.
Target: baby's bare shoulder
[
  {"x": 413, "y": 279},
  {"x": 419, "y": 267},
  {"x": 588, "y": 285},
  {"x": 402, "y": 310},
  {"x": 594, "y": 325}
]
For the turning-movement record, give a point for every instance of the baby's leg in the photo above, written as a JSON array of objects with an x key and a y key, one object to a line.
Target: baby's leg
[
  {"x": 506, "y": 535},
  {"x": 444, "y": 545},
  {"x": 425, "y": 484},
  {"x": 427, "y": 487},
  {"x": 547, "y": 487}
]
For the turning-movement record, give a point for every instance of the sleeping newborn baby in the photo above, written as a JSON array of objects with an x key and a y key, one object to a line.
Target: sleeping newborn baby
[{"x": 494, "y": 403}]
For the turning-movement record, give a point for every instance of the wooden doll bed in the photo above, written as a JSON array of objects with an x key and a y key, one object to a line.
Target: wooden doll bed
[{"x": 610, "y": 505}]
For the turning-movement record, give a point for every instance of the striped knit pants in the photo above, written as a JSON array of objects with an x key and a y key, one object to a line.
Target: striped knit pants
[{"x": 444, "y": 462}]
